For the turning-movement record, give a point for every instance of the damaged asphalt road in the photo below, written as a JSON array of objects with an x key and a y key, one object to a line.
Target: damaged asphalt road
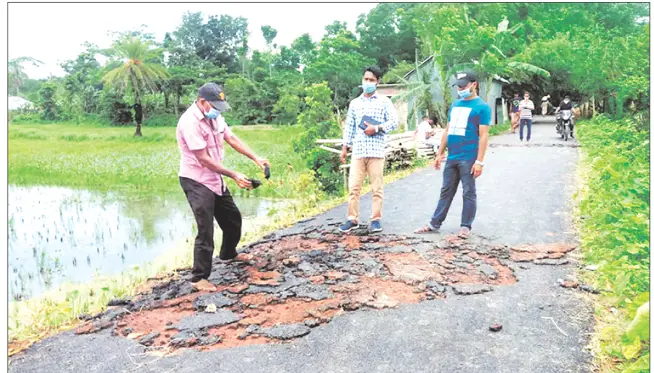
[{"x": 309, "y": 300}]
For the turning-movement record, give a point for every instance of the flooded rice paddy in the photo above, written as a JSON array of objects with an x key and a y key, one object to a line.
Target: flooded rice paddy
[{"x": 58, "y": 235}]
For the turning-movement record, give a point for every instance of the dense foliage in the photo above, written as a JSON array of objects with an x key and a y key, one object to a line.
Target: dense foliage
[{"x": 595, "y": 52}]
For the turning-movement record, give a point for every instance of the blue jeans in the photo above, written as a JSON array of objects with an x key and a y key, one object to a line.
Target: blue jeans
[
  {"x": 524, "y": 122},
  {"x": 454, "y": 172}
]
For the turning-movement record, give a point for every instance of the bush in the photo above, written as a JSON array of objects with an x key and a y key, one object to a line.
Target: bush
[
  {"x": 161, "y": 120},
  {"x": 319, "y": 122},
  {"x": 115, "y": 109},
  {"x": 615, "y": 229},
  {"x": 47, "y": 93}
]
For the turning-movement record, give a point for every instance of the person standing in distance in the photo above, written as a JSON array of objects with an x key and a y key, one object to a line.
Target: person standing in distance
[{"x": 526, "y": 107}]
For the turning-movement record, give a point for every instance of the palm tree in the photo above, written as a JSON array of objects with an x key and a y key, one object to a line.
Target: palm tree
[
  {"x": 16, "y": 76},
  {"x": 139, "y": 72}
]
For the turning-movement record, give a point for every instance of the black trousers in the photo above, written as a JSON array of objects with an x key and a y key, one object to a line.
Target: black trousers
[{"x": 206, "y": 206}]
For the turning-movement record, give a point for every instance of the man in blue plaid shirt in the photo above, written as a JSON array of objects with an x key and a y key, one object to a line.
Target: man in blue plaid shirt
[{"x": 367, "y": 147}]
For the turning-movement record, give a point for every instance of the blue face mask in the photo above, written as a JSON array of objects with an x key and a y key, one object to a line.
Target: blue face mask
[
  {"x": 465, "y": 93},
  {"x": 368, "y": 87},
  {"x": 212, "y": 114}
]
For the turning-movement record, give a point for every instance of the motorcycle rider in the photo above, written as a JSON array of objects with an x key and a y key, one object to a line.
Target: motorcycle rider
[{"x": 566, "y": 104}]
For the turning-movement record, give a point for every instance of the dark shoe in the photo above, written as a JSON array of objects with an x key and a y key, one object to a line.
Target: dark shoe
[
  {"x": 229, "y": 256},
  {"x": 348, "y": 226},
  {"x": 195, "y": 279},
  {"x": 375, "y": 226}
]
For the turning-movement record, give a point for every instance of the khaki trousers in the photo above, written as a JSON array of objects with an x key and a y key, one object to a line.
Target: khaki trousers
[{"x": 359, "y": 168}]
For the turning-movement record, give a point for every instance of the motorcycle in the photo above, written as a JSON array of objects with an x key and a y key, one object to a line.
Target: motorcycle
[
  {"x": 566, "y": 124},
  {"x": 559, "y": 127}
]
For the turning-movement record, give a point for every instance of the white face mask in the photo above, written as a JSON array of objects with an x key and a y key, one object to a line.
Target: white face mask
[{"x": 566, "y": 100}]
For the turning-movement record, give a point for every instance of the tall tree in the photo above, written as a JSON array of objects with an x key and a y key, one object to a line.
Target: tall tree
[
  {"x": 305, "y": 48},
  {"x": 219, "y": 40},
  {"x": 139, "y": 72},
  {"x": 387, "y": 34},
  {"x": 269, "y": 34},
  {"x": 339, "y": 62},
  {"x": 16, "y": 74}
]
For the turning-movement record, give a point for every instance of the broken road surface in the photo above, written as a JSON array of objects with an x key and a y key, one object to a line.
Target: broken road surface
[{"x": 307, "y": 299}]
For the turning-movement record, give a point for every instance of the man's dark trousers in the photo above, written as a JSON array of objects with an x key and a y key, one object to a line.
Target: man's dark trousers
[
  {"x": 206, "y": 206},
  {"x": 457, "y": 171}
]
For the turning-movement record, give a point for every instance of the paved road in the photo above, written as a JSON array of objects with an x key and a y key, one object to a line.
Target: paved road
[{"x": 524, "y": 198}]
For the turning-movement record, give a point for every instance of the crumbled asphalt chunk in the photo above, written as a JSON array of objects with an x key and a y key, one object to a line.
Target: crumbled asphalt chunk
[
  {"x": 218, "y": 299},
  {"x": 435, "y": 287},
  {"x": 207, "y": 320},
  {"x": 495, "y": 327},
  {"x": 315, "y": 292},
  {"x": 113, "y": 314},
  {"x": 469, "y": 289},
  {"x": 589, "y": 289},
  {"x": 285, "y": 332},
  {"x": 312, "y": 323},
  {"x": 149, "y": 339},
  {"x": 209, "y": 340},
  {"x": 307, "y": 268},
  {"x": 254, "y": 289},
  {"x": 551, "y": 262},
  {"x": 488, "y": 271},
  {"x": 400, "y": 249},
  {"x": 118, "y": 302}
]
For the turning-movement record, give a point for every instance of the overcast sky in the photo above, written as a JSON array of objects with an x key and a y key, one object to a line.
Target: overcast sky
[{"x": 53, "y": 33}]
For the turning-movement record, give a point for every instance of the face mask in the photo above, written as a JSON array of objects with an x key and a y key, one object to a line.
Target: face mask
[
  {"x": 566, "y": 100},
  {"x": 368, "y": 87},
  {"x": 213, "y": 113},
  {"x": 465, "y": 93}
]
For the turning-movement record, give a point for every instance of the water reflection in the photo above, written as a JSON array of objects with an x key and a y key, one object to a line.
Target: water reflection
[{"x": 59, "y": 234}]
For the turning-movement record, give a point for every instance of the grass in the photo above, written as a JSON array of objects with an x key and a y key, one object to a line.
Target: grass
[
  {"x": 110, "y": 158},
  {"x": 614, "y": 230},
  {"x": 499, "y": 129}
]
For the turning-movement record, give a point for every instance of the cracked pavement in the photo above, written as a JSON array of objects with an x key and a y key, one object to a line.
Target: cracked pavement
[{"x": 311, "y": 301}]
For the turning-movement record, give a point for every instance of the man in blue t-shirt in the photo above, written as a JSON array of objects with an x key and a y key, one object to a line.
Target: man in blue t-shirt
[{"x": 466, "y": 137}]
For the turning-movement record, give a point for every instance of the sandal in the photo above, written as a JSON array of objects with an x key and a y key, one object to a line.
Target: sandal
[
  {"x": 464, "y": 233},
  {"x": 426, "y": 229}
]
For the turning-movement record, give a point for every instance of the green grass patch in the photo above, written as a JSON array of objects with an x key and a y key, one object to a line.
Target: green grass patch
[
  {"x": 499, "y": 129},
  {"x": 614, "y": 229},
  {"x": 111, "y": 159}
]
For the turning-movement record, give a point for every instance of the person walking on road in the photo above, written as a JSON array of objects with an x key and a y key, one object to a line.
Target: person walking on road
[
  {"x": 201, "y": 134},
  {"x": 545, "y": 103},
  {"x": 515, "y": 112},
  {"x": 466, "y": 138},
  {"x": 369, "y": 118},
  {"x": 526, "y": 107}
]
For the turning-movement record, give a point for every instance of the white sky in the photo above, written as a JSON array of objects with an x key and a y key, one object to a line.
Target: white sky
[{"x": 53, "y": 33}]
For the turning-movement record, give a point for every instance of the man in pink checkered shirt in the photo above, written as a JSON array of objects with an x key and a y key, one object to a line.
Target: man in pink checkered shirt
[{"x": 201, "y": 136}]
